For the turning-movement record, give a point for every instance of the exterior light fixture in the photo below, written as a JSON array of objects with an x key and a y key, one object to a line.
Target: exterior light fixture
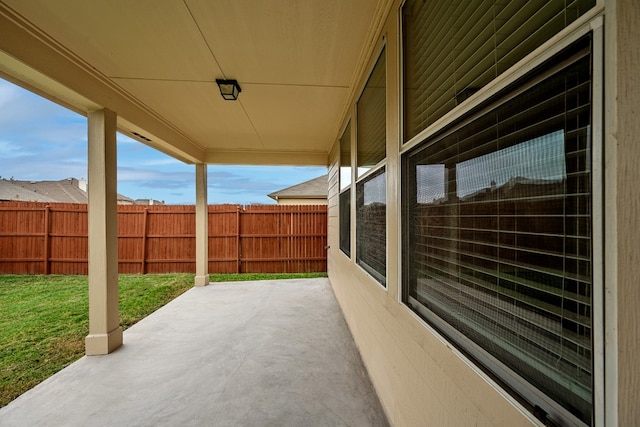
[{"x": 229, "y": 89}]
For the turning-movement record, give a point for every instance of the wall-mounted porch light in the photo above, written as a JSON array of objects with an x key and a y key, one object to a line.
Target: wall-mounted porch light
[{"x": 229, "y": 89}]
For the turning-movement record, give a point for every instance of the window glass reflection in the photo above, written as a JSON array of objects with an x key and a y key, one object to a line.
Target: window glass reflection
[
  {"x": 540, "y": 160},
  {"x": 371, "y": 225},
  {"x": 431, "y": 183},
  {"x": 375, "y": 191}
]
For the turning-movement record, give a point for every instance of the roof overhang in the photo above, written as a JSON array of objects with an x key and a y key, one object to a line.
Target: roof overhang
[{"x": 155, "y": 65}]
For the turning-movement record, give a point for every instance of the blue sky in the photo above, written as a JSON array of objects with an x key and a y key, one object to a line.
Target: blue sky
[{"x": 40, "y": 140}]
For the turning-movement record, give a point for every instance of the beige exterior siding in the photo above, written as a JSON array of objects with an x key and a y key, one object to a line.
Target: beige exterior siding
[
  {"x": 420, "y": 378},
  {"x": 625, "y": 131},
  {"x": 333, "y": 226}
]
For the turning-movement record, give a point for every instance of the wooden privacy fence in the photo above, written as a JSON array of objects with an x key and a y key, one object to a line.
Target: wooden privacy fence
[{"x": 41, "y": 238}]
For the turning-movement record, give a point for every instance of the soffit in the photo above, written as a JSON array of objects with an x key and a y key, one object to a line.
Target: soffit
[{"x": 295, "y": 61}]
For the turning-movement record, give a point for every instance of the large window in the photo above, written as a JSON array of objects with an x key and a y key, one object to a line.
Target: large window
[
  {"x": 345, "y": 222},
  {"x": 452, "y": 49},
  {"x": 345, "y": 188},
  {"x": 497, "y": 236},
  {"x": 372, "y": 119},
  {"x": 371, "y": 190},
  {"x": 371, "y": 225}
]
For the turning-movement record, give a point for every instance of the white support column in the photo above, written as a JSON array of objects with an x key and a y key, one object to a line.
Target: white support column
[
  {"x": 105, "y": 333},
  {"x": 202, "y": 227}
]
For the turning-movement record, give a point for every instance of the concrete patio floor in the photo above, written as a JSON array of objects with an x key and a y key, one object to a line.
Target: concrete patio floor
[{"x": 270, "y": 353}]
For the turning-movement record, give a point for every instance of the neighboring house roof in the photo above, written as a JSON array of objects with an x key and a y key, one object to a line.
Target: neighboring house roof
[
  {"x": 148, "y": 202},
  {"x": 70, "y": 190},
  {"x": 124, "y": 200},
  {"x": 316, "y": 188},
  {"x": 66, "y": 190},
  {"x": 9, "y": 191}
]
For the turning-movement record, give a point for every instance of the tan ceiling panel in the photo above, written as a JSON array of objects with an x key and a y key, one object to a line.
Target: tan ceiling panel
[
  {"x": 154, "y": 62},
  {"x": 150, "y": 39},
  {"x": 294, "y": 117},
  {"x": 198, "y": 110},
  {"x": 314, "y": 42}
]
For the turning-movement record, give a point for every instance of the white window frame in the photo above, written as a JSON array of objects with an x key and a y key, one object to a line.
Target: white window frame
[
  {"x": 347, "y": 126},
  {"x": 372, "y": 170},
  {"x": 592, "y": 21}
]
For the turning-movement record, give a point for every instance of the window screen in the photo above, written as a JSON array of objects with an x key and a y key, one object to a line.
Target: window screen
[
  {"x": 497, "y": 247},
  {"x": 371, "y": 225},
  {"x": 452, "y": 49},
  {"x": 345, "y": 222},
  {"x": 372, "y": 116}
]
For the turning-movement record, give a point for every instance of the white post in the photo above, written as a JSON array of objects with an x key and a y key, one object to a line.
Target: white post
[
  {"x": 202, "y": 227},
  {"x": 105, "y": 333}
]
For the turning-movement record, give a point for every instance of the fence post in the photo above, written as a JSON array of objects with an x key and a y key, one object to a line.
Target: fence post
[
  {"x": 238, "y": 242},
  {"x": 297, "y": 245},
  {"x": 145, "y": 230},
  {"x": 47, "y": 243}
]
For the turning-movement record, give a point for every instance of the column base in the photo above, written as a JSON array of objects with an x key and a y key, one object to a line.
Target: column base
[
  {"x": 99, "y": 344},
  {"x": 202, "y": 280}
]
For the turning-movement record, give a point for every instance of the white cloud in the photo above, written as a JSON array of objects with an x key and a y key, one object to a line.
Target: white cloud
[
  {"x": 8, "y": 93},
  {"x": 10, "y": 150},
  {"x": 124, "y": 139}
]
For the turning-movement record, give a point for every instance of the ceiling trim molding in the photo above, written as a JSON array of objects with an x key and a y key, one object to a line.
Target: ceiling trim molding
[{"x": 265, "y": 157}]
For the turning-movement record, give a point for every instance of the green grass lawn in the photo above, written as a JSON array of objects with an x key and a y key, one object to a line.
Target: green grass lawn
[{"x": 44, "y": 319}]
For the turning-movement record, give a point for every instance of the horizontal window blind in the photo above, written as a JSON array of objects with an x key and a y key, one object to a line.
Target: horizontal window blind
[
  {"x": 452, "y": 49},
  {"x": 371, "y": 119},
  {"x": 345, "y": 222},
  {"x": 371, "y": 225},
  {"x": 497, "y": 233}
]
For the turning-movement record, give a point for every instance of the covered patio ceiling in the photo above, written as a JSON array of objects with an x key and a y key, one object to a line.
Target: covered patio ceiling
[{"x": 155, "y": 63}]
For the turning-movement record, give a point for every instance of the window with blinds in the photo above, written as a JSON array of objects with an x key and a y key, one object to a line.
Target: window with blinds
[
  {"x": 452, "y": 49},
  {"x": 497, "y": 235},
  {"x": 371, "y": 225},
  {"x": 345, "y": 222},
  {"x": 371, "y": 120}
]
